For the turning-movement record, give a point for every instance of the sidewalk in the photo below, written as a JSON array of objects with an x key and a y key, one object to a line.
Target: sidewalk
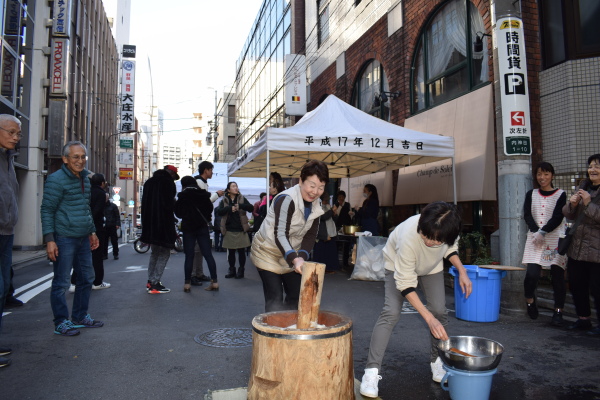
[{"x": 23, "y": 256}]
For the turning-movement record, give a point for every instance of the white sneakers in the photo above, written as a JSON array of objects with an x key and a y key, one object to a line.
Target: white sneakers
[
  {"x": 103, "y": 285},
  {"x": 72, "y": 289},
  {"x": 437, "y": 370},
  {"x": 370, "y": 380}
]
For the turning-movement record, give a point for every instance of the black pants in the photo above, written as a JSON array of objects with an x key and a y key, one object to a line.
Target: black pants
[
  {"x": 584, "y": 279},
  {"x": 231, "y": 258},
  {"x": 274, "y": 287},
  {"x": 532, "y": 277},
  {"x": 111, "y": 233}
]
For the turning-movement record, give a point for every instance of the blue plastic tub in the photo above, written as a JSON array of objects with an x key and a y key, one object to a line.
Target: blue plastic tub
[
  {"x": 467, "y": 385},
  {"x": 483, "y": 305}
]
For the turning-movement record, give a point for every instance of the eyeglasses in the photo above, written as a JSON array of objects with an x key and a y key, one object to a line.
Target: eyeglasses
[
  {"x": 594, "y": 166},
  {"x": 13, "y": 133},
  {"x": 77, "y": 158}
]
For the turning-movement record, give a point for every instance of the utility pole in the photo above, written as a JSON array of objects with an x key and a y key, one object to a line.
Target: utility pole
[{"x": 514, "y": 171}]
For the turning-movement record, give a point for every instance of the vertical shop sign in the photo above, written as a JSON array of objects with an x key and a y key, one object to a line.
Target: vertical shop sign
[
  {"x": 61, "y": 21},
  {"x": 59, "y": 69},
  {"x": 514, "y": 98},
  {"x": 12, "y": 17},
  {"x": 127, "y": 122},
  {"x": 295, "y": 84}
]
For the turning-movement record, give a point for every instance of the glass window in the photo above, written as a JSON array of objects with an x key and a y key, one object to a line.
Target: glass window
[
  {"x": 322, "y": 22},
  {"x": 446, "y": 64},
  {"x": 368, "y": 89},
  {"x": 570, "y": 30}
]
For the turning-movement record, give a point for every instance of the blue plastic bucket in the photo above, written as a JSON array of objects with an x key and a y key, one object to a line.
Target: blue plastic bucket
[
  {"x": 467, "y": 385},
  {"x": 483, "y": 305}
]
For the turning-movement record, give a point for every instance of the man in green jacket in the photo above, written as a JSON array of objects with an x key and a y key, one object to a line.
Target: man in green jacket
[{"x": 70, "y": 236}]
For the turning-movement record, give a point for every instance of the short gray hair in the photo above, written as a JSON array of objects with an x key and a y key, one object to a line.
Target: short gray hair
[
  {"x": 66, "y": 150},
  {"x": 11, "y": 118}
]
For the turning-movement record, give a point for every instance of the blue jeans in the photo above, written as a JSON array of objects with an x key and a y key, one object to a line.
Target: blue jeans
[
  {"x": 6, "y": 243},
  {"x": 72, "y": 253},
  {"x": 202, "y": 237}
]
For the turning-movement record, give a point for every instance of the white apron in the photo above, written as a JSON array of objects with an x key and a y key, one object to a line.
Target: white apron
[{"x": 542, "y": 208}]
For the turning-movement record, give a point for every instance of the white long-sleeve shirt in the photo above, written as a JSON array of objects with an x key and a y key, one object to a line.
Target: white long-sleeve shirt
[
  {"x": 408, "y": 257},
  {"x": 204, "y": 185}
]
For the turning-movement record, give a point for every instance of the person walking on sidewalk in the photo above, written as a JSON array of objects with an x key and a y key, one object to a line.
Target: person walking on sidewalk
[
  {"x": 287, "y": 236},
  {"x": 10, "y": 134},
  {"x": 194, "y": 207},
  {"x": 543, "y": 214},
  {"x": 97, "y": 204},
  {"x": 112, "y": 218},
  {"x": 413, "y": 256},
  {"x": 583, "y": 265},
  {"x": 234, "y": 227},
  {"x": 205, "y": 172},
  {"x": 70, "y": 237},
  {"x": 158, "y": 223}
]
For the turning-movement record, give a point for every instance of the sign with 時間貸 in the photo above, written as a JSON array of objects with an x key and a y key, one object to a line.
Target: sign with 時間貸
[{"x": 512, "y": 63}]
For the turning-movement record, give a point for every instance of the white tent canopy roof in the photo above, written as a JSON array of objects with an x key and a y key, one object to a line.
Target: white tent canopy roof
[{"x": 350, "y": 141}]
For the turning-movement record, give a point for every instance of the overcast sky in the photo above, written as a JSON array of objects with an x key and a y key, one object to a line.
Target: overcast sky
[{"x": 192, "y": 45}]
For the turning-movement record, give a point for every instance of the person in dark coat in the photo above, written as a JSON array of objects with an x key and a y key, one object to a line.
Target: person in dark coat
[
  {"x": 97, "y": 201},
  {"x": 194, "y": 208},
  {"x": 158, "y": 223},
  {"x": 217, "y": 229},
  {"x": 369, "y": 211},
  {"x": 341, "y": 217},
  {"x": 112, "y": 224}
]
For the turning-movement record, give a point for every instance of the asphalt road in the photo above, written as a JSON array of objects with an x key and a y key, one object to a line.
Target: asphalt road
[{"x": 147, "y": 349}]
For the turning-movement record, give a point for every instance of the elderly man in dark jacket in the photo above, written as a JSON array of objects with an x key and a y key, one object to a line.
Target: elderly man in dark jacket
[
  {"x": 158, "y": 223},
  {"x": 70, "y": 235},
  {"x": 10, "y": 134}
]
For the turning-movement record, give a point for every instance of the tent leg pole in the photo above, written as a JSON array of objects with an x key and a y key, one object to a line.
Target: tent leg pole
[
  {"x": 454, "y": 181},
  {"x": 268, "y": 174}
]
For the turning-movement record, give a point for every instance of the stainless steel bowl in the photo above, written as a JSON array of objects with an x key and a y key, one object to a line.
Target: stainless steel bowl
[
  {"x": 487, "y": 353},
  {"x": 351, "y": 229}
]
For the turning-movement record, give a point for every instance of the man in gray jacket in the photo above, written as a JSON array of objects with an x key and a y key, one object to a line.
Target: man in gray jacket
[
  {"x": 10, "y": 134},
  {"x": 70, "y": 237}
]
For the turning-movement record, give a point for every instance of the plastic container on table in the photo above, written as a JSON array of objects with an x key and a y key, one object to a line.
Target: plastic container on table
[{"x": 483, "y": 305}]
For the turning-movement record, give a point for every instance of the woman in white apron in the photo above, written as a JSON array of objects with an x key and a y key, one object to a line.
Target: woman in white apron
[{"x": 543, "y": 215}]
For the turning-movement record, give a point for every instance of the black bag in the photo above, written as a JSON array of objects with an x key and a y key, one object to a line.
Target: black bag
[
  {"x": 565, "y": 242},
  {"x": 258, "y": 220},
  {"x": 208, "y": 223}
]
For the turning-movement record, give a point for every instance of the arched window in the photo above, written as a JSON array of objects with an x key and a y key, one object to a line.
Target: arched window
[
  {"x": 368, "y": 88},
  {"x": 446, "y": 63}
]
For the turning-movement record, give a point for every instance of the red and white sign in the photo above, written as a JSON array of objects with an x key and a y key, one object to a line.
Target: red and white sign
[
  {"x": 517, "y": 118},
  {"x": 116, "y": 189},
  {"x": 59, "y": 69}
]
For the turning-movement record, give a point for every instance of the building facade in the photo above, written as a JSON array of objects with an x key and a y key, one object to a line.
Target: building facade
[
  {"x": 259, "y": 84},
  {"x": 60, "y": 79}
]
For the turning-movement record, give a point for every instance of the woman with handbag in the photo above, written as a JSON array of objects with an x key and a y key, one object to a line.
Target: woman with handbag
[
  {"x": 583, "y": 266},
  {"x": 543, "y": 214},
  {"x": 194, "y": 207},
  {"x": 325, "y": 251},
  {"x": 234, "y": 227}
]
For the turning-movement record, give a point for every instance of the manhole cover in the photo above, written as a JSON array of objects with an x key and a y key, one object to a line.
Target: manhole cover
[{"x": 226, "y": 337}]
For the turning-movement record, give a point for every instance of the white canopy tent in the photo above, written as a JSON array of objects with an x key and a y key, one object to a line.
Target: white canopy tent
[{"x": 351, "y": 142}]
